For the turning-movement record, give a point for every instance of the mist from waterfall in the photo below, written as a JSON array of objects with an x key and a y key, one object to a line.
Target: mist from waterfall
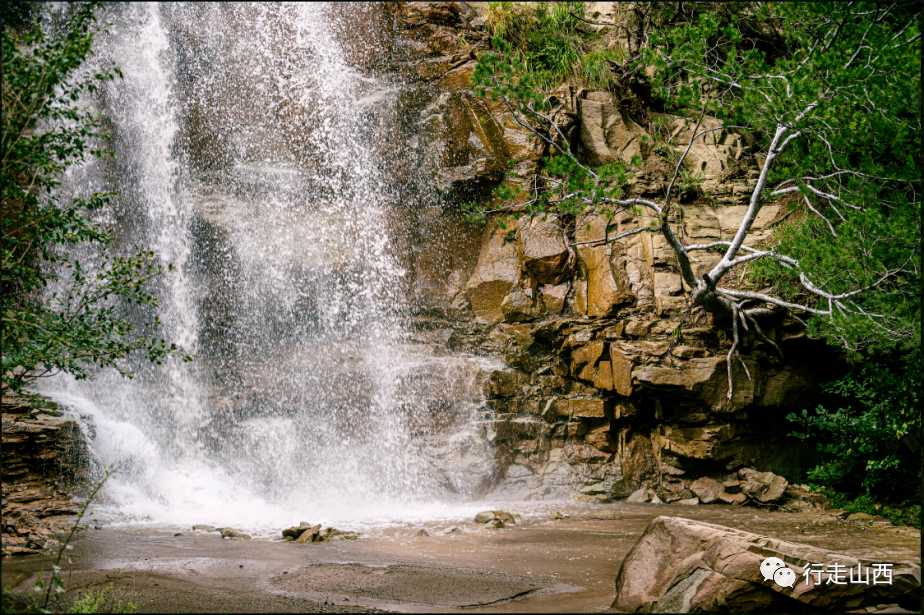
[{"x": 248, "y": 154}]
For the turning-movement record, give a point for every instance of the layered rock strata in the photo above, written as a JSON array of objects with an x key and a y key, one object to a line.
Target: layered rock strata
[
  {"x": 603, "y": 394},
  {"x": 45, "y": 461}
]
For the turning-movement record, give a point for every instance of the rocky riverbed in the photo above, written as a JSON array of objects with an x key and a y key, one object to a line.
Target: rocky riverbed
[{"x": 556, "y": 557}]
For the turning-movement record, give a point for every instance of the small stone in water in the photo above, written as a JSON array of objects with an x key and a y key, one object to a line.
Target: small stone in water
[
  {"x": 295, "y": 532},
  {"x": 484, "y": 516},
  {"x": 506, "y": 517},
  {"x": 422, "y": 533},
  {"x": 310, "y": 534},
  {"x": 230, "y": 532},
  {"x": 204, "y": 528}
]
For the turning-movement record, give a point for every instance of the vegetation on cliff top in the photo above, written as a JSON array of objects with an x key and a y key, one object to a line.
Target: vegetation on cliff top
[
  {"x": 551, "y": 43},
  {"x": 47, "y": 129},
  {"x": 831, "y": 93}
]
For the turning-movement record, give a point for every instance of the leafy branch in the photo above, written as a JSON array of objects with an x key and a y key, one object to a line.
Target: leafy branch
[{"x": 46, "y": 129}]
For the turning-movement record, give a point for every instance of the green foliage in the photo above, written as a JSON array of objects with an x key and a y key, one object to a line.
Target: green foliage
[
  {"x": 665, "y": 151},
  {"x": 874, "y": 443},
  {"x": 46, "y": 130},
  {"x": 847, "y": 78},
  {"x": 564, "y": 190},
  {"x": 105, "y": 600},
  {"x": 550, "y": 43},
  {"x": 868, "y": 243},
  {"x": 907, "y": 513},
  {"x": 538, "y": 46},
  {"x": 689, "y": 182}
]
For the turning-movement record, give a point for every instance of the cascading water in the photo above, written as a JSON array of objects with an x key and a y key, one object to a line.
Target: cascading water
[{"x": 248, "y": 156}]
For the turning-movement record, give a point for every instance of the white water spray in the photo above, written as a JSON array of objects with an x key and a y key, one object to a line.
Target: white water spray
[{"x": 246, "y": 156}]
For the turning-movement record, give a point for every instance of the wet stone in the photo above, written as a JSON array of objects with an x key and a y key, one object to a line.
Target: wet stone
[
  {"x": 860, "y": 517},
  {"x": 639, "y": 497},
  {"x": 230, "y": 532},
  {"x": 484, "y": 516}
]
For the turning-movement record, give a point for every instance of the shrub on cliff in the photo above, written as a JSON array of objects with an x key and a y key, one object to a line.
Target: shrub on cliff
[
  {"x": 46, "y": 129},
  {"x": 551, "y": 42}
]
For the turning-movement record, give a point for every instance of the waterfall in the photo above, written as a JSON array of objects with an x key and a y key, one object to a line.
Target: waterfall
[{"x": 248, "y": 155}]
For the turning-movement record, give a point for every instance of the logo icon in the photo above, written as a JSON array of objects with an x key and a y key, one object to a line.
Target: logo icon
[
  {"x": 774, "y": 569},
  {"x": 769, "y": 566},
  {"x": 784, "y": 577}
]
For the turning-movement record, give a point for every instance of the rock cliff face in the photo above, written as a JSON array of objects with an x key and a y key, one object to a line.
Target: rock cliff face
[
  {"x": 591, "y": 402},
  {"x": 44, "y": 459}
]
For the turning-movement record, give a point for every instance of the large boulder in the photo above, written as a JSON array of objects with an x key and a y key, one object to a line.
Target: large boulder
[
  {"x": 544, "y": 251},
  {"x": 802, "y": 499},
  {"x": 708, "y": 490},
  {"x": 606, "y": 133},
  {"x": 766, "y": 487},
  {"x": 603, "y": 284},
  {"x": 685, "y": 566},
  {"x": 494, "y": 276}
]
